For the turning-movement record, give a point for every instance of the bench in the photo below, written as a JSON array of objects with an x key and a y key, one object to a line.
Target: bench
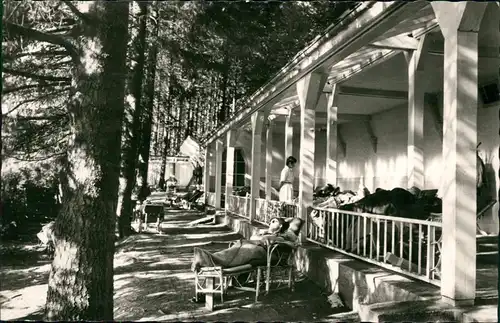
[
  {"x": 149, "y": 209},
  {"x": 216, "y": 280}
]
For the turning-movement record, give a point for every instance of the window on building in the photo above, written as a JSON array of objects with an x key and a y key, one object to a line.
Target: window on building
[{"x": 239, "y": 168}]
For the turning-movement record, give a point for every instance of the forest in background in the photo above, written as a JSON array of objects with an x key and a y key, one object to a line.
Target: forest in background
[
  {"x": 91, "y": 90},
  {"x": 189, "y": 64}
]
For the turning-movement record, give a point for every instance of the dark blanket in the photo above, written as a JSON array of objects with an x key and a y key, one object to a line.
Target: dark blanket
[
  {"x": 383, "y": 202},
  {"x": 241, "y": 253}
]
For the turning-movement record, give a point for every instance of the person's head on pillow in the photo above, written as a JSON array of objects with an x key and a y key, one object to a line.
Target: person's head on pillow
[
  {"x": 275, "y": 225},
  {"x": 295, "y": 224}
]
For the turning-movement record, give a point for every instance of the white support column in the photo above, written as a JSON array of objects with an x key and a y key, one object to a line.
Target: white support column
[
  {"x": 219, "y": 148},
  {"x": 206, "y": 173},
  {"x": 331, "y": 136},
  {"x": 459, "y": 23},
  {"x": 309, "y": 90},
  {"x": 230, "y": 144},
  {"x": 257, "y": 124},
  {"x": 416, "y": 92},
  {"x": 269, "y": 157},
  {"x": 288, "y": 134}
]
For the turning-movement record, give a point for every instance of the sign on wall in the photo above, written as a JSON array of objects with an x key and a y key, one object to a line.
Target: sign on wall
[{"x": 177, "y": 159}]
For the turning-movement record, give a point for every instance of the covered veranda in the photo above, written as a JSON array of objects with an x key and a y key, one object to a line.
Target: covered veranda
[{"x": 354, "y": 99}]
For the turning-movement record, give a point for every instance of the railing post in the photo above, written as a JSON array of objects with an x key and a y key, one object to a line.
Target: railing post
[
  {"x": 309, "y": 90},
  {"x": 459, "y": 23}
]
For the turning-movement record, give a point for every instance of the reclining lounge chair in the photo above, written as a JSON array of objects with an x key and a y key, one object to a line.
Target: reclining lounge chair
[
  {"x": 216, "y": 280},
  {"x": 190, "y": 198}
]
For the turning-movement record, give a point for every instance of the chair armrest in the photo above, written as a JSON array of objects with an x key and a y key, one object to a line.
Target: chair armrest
[{"x": 279, "y": 253}]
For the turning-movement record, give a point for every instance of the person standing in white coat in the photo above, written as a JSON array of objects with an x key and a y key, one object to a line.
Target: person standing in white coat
[{"x": 286, "y": 180}]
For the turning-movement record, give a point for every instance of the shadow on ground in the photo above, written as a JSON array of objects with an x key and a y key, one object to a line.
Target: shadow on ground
[{"x": 153, "y": 281}]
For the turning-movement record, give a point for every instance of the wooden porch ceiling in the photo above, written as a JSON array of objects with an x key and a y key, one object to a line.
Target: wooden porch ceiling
[
  {"x": 402, "y": 37},
  {"x": 371, "y": 35}
]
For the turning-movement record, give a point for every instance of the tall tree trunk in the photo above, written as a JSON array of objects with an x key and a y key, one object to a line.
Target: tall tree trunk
[
  {"x": 131, "y": 147},
  {"x": 224, "y": 107},
  {"x": 166, "y": 138},
  {"x": 149, "y": 96},
  {"x": 81, "y": 277},
  {"x": 164, "y": 160}
]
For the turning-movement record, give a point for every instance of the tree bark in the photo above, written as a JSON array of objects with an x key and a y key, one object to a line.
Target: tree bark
[
  {"x": 149, "y": 100},
  {"x": 131, "y": 147},
  {"x": 81, "y": 277},
  {"x": 166, "y": 138}
]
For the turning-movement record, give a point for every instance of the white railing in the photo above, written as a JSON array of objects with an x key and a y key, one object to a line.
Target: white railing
[
  {"x": 239, "y": 205},
  {"x": 265, "y": 210},
  {"x": 210, "y": 198},
  {"x": 408, "y": 246},
  {"x": 261, "y": 211}
]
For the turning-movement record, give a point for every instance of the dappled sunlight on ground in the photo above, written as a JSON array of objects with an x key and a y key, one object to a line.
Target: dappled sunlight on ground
[
  {"x": 153, "y": 281},
  {"x": 23, "y": 276},
  {"x": 22, "y": 302}
]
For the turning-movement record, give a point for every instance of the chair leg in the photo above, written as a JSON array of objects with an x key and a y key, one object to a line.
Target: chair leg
[
  {"x": 209, "y": 297},
  {"x": 196, "y": 288},
  {"x": 222, "y": 281},
  {"x": 257, "y": 286},
  {"x": 291, "y": 279},
  {"x": 222, "y": 293},
  {"x": 268, "y": 279}
]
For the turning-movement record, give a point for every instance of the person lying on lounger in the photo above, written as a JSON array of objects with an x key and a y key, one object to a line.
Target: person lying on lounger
[
  {"x": 252, "y": 252},
  {"x": 275, "y": 228}
]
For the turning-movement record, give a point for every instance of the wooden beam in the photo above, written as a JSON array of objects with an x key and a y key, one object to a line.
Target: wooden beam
[
  {"x": 341, "y": 117},
  {"x": 258, "y": 119},
  {"x": 351, "y": 117},
  {"x": 269, "y": 158},
  {"x": 331, "y": 136},
  {"x": 483, "y": 51},
  {"x": 400, "y": 42},
  {"x": 309, "y": 89},
  {"x": 416, "y": 93},
  {"x": 341, "y": 75},
  {"x": 371, "y": 34},
  {"x": 414, "y": 58},
  {"x": 357, "y": 58},
  {"x": 410, "y": 27},
  {"x": 417, "y": 33},
  {"x": 230, "y": 151},
  {"x": 370, "y": 56},
  {"x": 284, "y": 103},
  {"x": 423, "y": 18},
  {"x": 373, "y": 93},
  {"x": 464, "y": 16}
]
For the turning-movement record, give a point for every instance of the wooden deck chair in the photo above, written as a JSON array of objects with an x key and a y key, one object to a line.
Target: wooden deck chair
[{"x": 216, "y": 280}]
